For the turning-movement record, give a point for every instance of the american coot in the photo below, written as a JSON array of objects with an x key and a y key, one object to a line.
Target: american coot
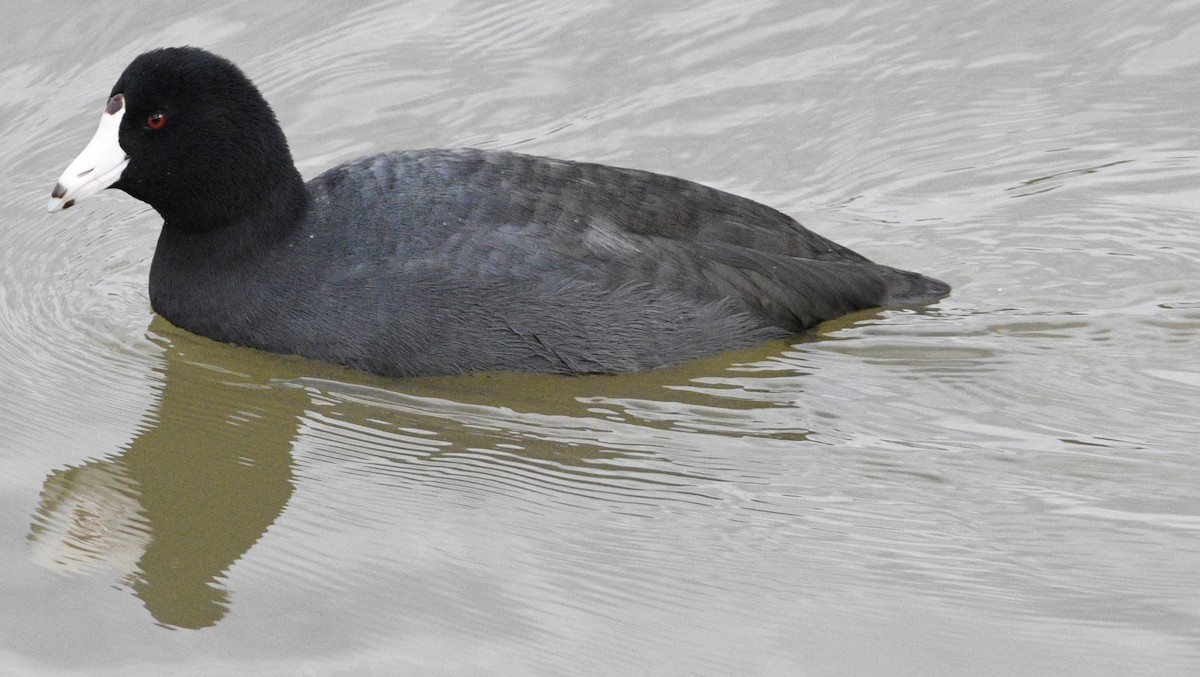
[{"x": 448, "y": 261}]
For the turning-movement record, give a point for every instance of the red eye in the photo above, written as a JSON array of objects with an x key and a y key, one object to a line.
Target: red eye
[{"x": 156, "y": 120}]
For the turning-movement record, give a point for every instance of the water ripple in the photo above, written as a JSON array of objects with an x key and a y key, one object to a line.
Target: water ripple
[{"x": 1005, "y": 478}]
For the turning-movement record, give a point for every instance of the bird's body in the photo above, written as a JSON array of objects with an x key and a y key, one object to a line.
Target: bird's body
[{"x": 439, "y": 262}]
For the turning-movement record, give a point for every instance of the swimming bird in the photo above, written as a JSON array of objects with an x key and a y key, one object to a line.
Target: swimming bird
[{"x": 429, "y": 262}]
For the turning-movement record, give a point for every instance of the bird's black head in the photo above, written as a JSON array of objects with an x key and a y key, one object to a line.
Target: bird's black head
[{"x": 202, "y": 145}]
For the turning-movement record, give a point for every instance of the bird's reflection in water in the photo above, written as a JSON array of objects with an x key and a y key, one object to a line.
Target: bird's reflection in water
[
  {"x": 212, "y": 469},
  {"x": 186, "y": 499}
]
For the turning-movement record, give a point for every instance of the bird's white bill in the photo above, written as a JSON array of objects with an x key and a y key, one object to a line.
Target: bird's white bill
[{"x": 98, "y": 166}]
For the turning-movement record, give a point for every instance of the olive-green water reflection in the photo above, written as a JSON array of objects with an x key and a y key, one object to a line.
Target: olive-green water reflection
[
  {"x": 212, "y": 470},
  {"x": 185, "y": 500}
]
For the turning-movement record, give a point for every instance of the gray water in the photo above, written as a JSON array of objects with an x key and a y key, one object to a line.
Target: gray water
[{"x": 1004, "y": 483}]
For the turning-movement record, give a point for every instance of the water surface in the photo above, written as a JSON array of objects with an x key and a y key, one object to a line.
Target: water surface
[{"x": 1002, "y": 483}]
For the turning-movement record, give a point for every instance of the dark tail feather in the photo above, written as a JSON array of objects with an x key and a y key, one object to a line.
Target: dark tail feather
[
  {"x": 795, "y": 294},
  {"x": 906, "y": 288}
]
